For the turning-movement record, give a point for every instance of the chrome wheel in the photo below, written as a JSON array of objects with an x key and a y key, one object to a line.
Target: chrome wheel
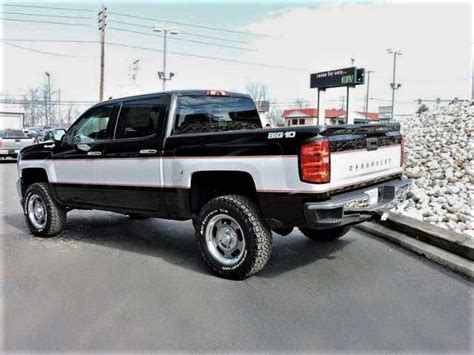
[
  {"x": 225, "y": 240},
  {"x": 37, "y": 211}
]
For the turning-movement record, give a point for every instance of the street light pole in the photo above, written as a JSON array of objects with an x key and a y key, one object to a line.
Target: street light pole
[
  {"x": 394, "y": 85},
  {"x": 48, "y": 105},
  {"x": 163, "y": 75},
  {"x": 367, "y": 96}
]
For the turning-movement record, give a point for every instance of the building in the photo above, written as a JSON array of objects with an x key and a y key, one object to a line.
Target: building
[
  {"x": 366, "y": 117},
  {"x": 11, "y": 116},
  {"x": 309, "y": 117}
]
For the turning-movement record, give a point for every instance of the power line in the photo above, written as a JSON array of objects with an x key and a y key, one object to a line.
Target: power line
[
  {"x": 184, "y": 33},
  {"x": 48, "y": 53},
  {"x": 212, "y": 58},
  {"x": 48, "y": 7},
  {"x": 48, "y": 40},
  {"x": 47, "y": 22},
  {"x": 189, "y": 25},
  {"x": 181, "y": 39},
  {"x": 44, "y": 15},
  {"x": 220, "y": 59}
]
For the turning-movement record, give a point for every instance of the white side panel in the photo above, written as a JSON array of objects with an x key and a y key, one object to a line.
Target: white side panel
[
  {"x": 270, "y": 174},
  {"x": 86, "y": 171},
  {"x": 45, "y": 164},
  {"x": 132, "y": 172}
]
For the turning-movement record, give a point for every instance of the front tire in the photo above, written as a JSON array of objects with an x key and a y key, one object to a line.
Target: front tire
[
  {"x": 324, "y": 235},
  {"x": 232, "y": 237},
  {"x": 44, "y": 217}
]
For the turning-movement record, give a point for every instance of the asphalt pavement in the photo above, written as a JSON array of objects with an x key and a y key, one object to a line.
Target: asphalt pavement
[{"x": 108, "y": 283}]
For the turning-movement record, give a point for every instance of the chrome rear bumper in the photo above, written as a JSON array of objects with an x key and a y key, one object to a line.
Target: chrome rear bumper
[{"x": 356, "y": 206}]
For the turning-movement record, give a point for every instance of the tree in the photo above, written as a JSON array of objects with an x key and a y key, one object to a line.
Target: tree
[
  {"x": 34, "y": 106},
  {"x": 257, "y": 90},
  {"x": 72, "y": 113},
  {"x": 275, "y": 115},
  {"x": 301, "y": 103}
]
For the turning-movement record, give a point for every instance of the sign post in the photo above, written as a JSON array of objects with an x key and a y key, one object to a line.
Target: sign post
[{"x": 348, "y": 77}]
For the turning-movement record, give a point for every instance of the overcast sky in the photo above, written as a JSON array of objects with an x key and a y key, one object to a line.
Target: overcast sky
[{"x": 299, "y": 38}]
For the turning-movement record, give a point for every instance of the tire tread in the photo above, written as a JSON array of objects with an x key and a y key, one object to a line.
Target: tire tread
[
  {"x": 56, "y": 218},
  {"x": 263, "y": 234}
]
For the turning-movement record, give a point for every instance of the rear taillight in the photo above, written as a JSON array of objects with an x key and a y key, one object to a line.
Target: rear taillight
[
  {"x": 402, "y": 150},
  {"x": 314, "y": 161}
]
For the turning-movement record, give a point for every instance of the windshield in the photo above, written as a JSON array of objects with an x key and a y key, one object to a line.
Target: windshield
[{"x": 198, "y": 113}]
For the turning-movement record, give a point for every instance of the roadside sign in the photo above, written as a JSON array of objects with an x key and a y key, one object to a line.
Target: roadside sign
[
  {"x": 334, "y": 78},
  {"x": 360, "y": 76}
]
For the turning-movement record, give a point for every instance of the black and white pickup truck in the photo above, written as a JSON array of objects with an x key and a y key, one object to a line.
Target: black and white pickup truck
[{"x": 203, "y": 155}]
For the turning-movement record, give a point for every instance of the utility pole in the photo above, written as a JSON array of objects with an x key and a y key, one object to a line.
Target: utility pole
[
  {"x": 166, "y": 30},
  {"x": 352, "y": 62},
  {"x": 102, "y": 24},
  {"x": 48, "y": 103},
  {"x": 393, "y": 84},
  {"x": 367, "y": 95},
  {"x": 343, "y": 100},
  {"x": 59, "y": 105}
]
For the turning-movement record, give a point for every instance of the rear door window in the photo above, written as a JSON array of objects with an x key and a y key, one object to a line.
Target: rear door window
[
  {"x": 141, "y": 118},
  {"x": 199, "y": 113}
]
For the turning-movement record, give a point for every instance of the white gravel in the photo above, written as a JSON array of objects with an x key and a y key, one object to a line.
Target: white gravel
[{"x": 439, "y": 147}]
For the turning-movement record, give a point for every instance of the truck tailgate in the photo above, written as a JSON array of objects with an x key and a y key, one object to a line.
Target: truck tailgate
[{"x": 362, "y": 154}]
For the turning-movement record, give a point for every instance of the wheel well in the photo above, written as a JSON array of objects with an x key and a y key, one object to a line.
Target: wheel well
[
  {"x": 32, "y": 175},
  {"x": 206, "y": 185}
]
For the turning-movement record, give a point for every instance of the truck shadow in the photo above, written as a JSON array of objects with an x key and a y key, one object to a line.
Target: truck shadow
[
  {"x": 296, "y": 251},
  {"x": 170, "y": 241}
]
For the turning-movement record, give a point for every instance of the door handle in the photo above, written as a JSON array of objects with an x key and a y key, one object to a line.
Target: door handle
[
  {"x": 49, "y": 145},
  {"x": 95, "y": 153},
  {"x": 148, "y": 151}
]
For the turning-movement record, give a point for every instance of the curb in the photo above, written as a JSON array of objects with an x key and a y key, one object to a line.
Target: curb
[
  {"x": 438, "y": 255},
  {"x": 448, "y": 240}
]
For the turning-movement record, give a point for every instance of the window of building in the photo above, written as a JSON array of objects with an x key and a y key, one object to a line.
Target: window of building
[
  {"x": 294, "y": 122},
  {"x": 302, "y": 121}
]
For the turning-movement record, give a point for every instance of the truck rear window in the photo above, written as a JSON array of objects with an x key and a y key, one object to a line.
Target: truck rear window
[
  {"x": 13, "y": 133},
  {"x": 199, "y": 114}
]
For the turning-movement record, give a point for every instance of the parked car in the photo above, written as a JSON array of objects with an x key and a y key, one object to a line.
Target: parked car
[
  {"x": 203, "y": 155},
  {"x": 12, "y": 141}
]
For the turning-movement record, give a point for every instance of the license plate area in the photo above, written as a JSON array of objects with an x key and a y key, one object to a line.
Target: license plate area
[{"x": 373, "y": 196}]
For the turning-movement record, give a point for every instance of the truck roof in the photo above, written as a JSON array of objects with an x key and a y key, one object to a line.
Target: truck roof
[{"x": 171, "y": 92}]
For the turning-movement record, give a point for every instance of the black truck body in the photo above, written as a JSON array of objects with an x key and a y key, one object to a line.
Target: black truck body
[{"x": 167, "y": 155}]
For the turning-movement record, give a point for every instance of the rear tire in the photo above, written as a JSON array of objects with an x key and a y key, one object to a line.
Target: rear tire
[
  {"x": 324, "y": 235},
  {"x": 232, "y": 237},
  {"x": 44, "y": 216}
]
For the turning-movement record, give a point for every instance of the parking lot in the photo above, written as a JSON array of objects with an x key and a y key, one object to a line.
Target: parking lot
[{"x": 108, "y": 283}]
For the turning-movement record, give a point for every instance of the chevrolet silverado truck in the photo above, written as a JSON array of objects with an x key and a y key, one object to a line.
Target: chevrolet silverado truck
[
  {"x": 12, "y": 141},
  {"x": 204, "y": 156}
]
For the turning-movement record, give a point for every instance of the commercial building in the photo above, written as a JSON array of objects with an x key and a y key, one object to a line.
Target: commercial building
[
  {"x": 11, "y": 116},
  {"x": 309, "y": 117}
]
